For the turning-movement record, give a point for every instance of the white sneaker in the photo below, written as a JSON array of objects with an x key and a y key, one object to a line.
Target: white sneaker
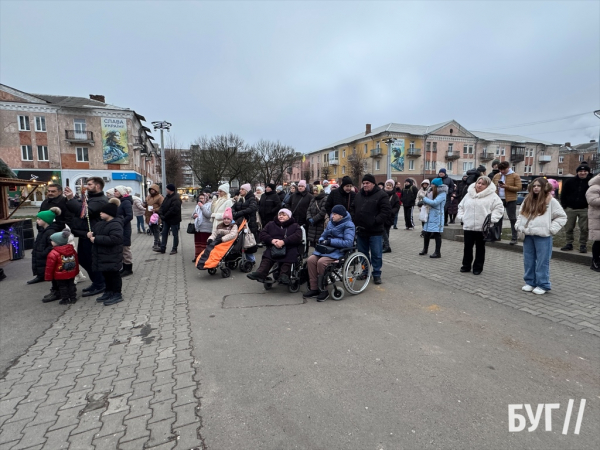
[
  {"x": 539, "y": 291},
  {"x": 527, "y": 288}
]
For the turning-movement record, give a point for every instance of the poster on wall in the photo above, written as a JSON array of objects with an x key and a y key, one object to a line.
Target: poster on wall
[
  {"x": 398, "y": 155},
  {"x": 114, "y": 141}
]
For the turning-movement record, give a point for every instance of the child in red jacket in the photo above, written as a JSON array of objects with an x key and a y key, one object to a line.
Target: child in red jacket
[{"x": 62, "y": 266}]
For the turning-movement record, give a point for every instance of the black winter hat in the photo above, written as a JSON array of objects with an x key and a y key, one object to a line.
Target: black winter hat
[
  {"x": 369, "y": 177},
  {"x": 272, "y": 186},
  {"x": 339, "y": 209},
  {"x": 481, "y": 169},
  {"x": 171, "y": 187},
  {"x": 583, "y": 166},
  {"x": 345, "y": 181},
  {"x": 112, "y": 207}
]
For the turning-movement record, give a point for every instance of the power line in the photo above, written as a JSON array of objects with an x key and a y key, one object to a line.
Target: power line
[
  {"x": 532, "y": 123},
  {"x": 558, "y": 131}
]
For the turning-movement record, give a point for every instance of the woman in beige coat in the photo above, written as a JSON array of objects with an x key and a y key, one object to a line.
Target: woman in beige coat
[
  {"x": 593, "y": 198},
  {"x": 220, "y": 204}
]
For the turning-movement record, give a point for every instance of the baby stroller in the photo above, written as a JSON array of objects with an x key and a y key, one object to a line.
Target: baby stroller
[
  {"x": 224, "y": 255},
  {"x": 298, "y": 271}
]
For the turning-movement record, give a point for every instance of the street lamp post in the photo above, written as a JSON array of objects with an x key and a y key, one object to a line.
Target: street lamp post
[
  {"x": 597, "y": 114},
  {"x": 162, "y": 126},
  {"x": 388, "y": 142}
]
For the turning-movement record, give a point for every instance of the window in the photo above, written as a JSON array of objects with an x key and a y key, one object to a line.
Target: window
[
  {"x": 24, "y": 123},
  {"x": 325, "y": 157},
  {"x": 561, "y": 159},
  {"x": 335, "y": 170},
  {"x": 450, "y": 147},
  {"x": 378, "y": 144},
  {"x": 468, "y": 166},
  {"x": 468, "y": 149},
  {"x": 80, "y": 129},
  {"x": 377, "y": 164},
  {"x": 514, "y": 168},
  {"x": 365, "y": 149},
  {"x": 449, "y": 166},
  {"x": 502, "y": 151},
  {"x": 412, "y": 145},
  {"x": 40, "y": 123},
  {"x": 411, "y": 164},
  {"x": 42, "y": 153},
  {"x": 354, "y": 150},
  {"x": 26, "y": 153},
  {"x": 343, "y": 153},
  {"x": 343, "y": 169},
  {"x": 82, "y": 154},
  {"x": 435, "y": 146},
  {"x": 560, "y": 171},
  {"x": 580, "y": 158},
  {"x": 428, "y": 146}
]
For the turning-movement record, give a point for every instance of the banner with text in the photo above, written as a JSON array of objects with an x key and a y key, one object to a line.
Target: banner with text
[{"x": 114, "y": 141}]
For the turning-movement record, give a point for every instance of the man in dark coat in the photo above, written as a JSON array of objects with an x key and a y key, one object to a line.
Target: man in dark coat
[
  {"x": 344, "y": 195},
  {"x": 299, "y": 203},
  {"x": 495, "y": 169},
  {"x": 409, "y": 199},
  {"x": 55, "y": 197},
  {"x": 95, "y": 200},
  {"x": 371, "y": 210},
  {"x": 451, "y": 186},
  {"x": 269, "y": 204},
  {"x": 247, "y": 207},
  {"x": 125, "y": 212},
  {"x": 170, "y": 214},
  {"x": 572, "y": 199}
]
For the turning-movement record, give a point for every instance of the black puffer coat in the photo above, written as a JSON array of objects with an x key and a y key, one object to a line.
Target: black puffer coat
[
  {"x": 370, "y": 212},
  {"x": 394, "y": 204},
  {"x": 409, "y": 195},
  {"x": 289, "y": 231},
  {"x": 573, "y": 192},
  {"x": 125, "y": 212},
  {"x": 42, "y": 246},
  {"x": 268, "y": 206},
  {"x": 317, "y": 212},
  {"x": 170, "y": 210},
  {"x": 247, "y": 207},
  {"x": 339, "y": 197},
  {"x": 107, "y": 250},
  {"x": 298, "y": 204},
  {"x": 59, "y": 202},
  {"x": 79, "y": 225}
]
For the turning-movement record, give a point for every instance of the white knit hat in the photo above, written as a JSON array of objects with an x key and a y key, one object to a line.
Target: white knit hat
[
  {"x": 224, "y": 187},
  {"x": 122, "y": 190}
]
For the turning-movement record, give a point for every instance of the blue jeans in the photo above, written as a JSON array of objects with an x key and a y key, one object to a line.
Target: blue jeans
[
  {"x": 165, "y": 235},
  {"x": 537, "y": 251},
  {"x": 140, "y": 223},
  {"x": 372, "y": 246}
]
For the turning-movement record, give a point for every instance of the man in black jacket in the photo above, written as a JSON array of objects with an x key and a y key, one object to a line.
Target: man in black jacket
[
  {"x": 170, "y": 214},
  {"x": 55, "y": 197},
  {"x": 344, "y": 195},
  {"x": 83, "y": 220},
  {"x": 409, "y": 198},
  {"x": 575, "y": 204},
  {"x": 370, "y": 211}
]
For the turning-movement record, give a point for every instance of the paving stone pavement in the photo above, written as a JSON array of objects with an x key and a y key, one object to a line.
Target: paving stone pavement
[
  {"x": 573, "y": 301},
  {"x": 121, "y": 376}
]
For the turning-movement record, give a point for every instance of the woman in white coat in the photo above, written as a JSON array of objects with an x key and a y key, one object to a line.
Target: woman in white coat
[
  {"x": 220, "y": 204},
  {"x": 480, "y": 201}
]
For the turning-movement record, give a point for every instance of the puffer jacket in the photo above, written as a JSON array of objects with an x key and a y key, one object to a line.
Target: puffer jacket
[
  {"x": 125, "y": 212},
  {"x": 573, "y": 192},
  {"x": 288, "y": 231},
  {"x": 170, "y": 210},
  {"x": 435, "y": 220},
  {"x": 512, "y": 185},
  {"x": 268, "y": 206},
  {"x": 409, "y": 195},
  {"x": 138, "y": 206},
  {"x": 298, "y": 204},
  {"x": 247, "y": 207},
  {"x": 394, "y": 204},
  {"x": 107, "y": 249},
  {"x": 95, "y": 202},
  {"x": 62, "y": 263},
  {"x": 548, "y": 224},
  {"x": 593, "y": 198},
  {"x": 153, "y": 201},
  {"x": 218, "y": 207},
  {"x": 206, "y": 225},
  {"x": 316, "y": 212},
  {"x": 474, "y": 207},
  {"x": 370, "y": 211},
  {"x": 227, "y": 233},
  {"x": 42, "y": 247},
  {"x": 340, "y": 235}
]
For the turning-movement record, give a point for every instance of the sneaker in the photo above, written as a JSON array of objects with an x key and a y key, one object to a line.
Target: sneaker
[
  {"x": 311, "y": 293},
  {"x": 323, "y": 295},
  {"x": 582, "y": 249},
  {"x": 94, "y": 291},
  {"x": 51, "y": 297},
  {"x": 173, "y": 252},
  {"x": 595, "y": 266},
  {"x": 513, "y": 241},
  {"x": 465, "y": 269},
  {"x": 395, "y": 228},
  {"x": 567, "y": 248},
  {"x": 387, "y": 250},
  {"x": 88, "y": 289},
  {"x": 538, "y": 291},
  {"x": 527, "y": 288},
  {"x": 116, "y": 298},
  {"x": 377, "y": 280},
  {"x": 105, "y": 296}
]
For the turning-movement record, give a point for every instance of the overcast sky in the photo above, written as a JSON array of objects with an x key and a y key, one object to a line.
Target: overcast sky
[{"x": 311, "y": 73}]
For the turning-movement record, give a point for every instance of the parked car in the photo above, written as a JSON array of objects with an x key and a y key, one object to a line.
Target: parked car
[{"x": 521, "y": 196}]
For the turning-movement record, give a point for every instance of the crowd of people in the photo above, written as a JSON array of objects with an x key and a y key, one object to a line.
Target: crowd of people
[{"x": 329, "y": 216}]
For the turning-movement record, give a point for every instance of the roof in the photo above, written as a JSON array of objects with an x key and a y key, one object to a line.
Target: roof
[
  {"x": 421, "y": 130},
  {"x": 586, "y": 146},
  {"x": 75, "y": 102}
]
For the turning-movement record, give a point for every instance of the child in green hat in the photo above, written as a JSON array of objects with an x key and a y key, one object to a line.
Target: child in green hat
[{"x": 42, "y": 246}]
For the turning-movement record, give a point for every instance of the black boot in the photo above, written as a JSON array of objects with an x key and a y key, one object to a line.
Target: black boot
[
  {"x": 127, "y": 270},
  {"x": 426, "y": 239},
  {"x": 438, "y": 246}
]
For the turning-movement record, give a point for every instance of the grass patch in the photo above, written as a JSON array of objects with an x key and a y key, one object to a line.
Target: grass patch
[{"x": 559, "y": 239}]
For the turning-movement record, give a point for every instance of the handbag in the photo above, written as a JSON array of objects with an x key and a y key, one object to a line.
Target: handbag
[
  {"x": 191, "y": 228},
  {"x": 249, "y": 239},
  {"x": 279, "y": 253},
  {"x": 325, "y": 249},
  {"x": 491, "y": 232}
]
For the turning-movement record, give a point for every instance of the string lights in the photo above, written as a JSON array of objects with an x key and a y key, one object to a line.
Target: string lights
[{"x": 10, "y": 238}]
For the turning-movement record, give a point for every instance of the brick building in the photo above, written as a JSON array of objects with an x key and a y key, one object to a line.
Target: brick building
[
  {"x": 570, "y": 156},
  {"x": 69, "y": 139}
]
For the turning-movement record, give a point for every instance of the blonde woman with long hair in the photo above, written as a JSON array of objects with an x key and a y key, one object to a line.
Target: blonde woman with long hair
[
  {"x": 540, "y": 218},
  {"x": 220, "y": 204}
]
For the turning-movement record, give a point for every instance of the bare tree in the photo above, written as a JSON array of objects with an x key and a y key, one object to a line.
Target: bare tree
[
  {"x": 214, "y": 160},
  {"x": 325, "y": 171},
  {"x": 358, "y": 164},
  {"x": 274, "y": 159},
  {"x": 173, "y": 166}
]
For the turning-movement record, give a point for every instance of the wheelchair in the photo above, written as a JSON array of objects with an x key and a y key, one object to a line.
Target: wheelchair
[
  {"x": 353, "y": 270},
  {"x": 298, "y": 270}
]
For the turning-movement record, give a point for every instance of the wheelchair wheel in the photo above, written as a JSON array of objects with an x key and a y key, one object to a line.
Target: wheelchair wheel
[
  {"x": 226, "y": 272},
  {"x": 294, "y": 287},
  {"x": 337, "y": 294},
  {"x": 246, "y": 266},
  {"x": 212, "y": 271},
  {"x": 356, "y": 273}
]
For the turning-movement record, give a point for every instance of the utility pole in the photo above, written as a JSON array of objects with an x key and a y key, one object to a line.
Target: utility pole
[
  {"x": 388, "y": 142},
  {"x": 164, "y": 125}
]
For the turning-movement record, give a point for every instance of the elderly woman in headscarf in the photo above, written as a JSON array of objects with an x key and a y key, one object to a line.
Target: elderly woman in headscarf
[{"x": 220, "y": 204}]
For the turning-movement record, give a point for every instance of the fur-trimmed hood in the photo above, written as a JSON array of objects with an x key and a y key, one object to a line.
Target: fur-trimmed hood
[{"x": 489, "y": 190}]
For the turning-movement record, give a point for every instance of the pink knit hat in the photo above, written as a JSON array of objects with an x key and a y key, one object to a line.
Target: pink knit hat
[
  {"x": 247, "y": 187},
  {"x": 302, "y": 183},
  {"x": 227, "y": 214}
]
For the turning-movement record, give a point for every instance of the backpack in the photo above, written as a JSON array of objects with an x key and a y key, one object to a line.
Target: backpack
[{"x": 154, "y": 219}]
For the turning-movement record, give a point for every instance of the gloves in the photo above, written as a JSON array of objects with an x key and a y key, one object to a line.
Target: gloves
[
  {"x": 326, "y": 242},
  {"x": 311, "y": 221},
  {"x": 420, "y": 204}
]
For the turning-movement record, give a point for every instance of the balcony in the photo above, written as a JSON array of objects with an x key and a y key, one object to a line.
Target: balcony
[
  {"x": 451, "y": 156},
  {"x": 79, "y": 137},
  {"x": 413, "y": 152},
  {"x": 376, "y": 153},
  {"x": 334, "y": 162},
  {"x": 543, "y": 159},
  {"x": 517, "y": 154},
  {"x": 486, "y": 156}
]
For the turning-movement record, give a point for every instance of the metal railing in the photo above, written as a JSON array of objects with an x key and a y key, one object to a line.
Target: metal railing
[{"x": 74, "y": 135}]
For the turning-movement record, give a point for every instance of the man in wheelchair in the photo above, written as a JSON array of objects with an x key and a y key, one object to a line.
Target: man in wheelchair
[{"x": 338, "y": 235}]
